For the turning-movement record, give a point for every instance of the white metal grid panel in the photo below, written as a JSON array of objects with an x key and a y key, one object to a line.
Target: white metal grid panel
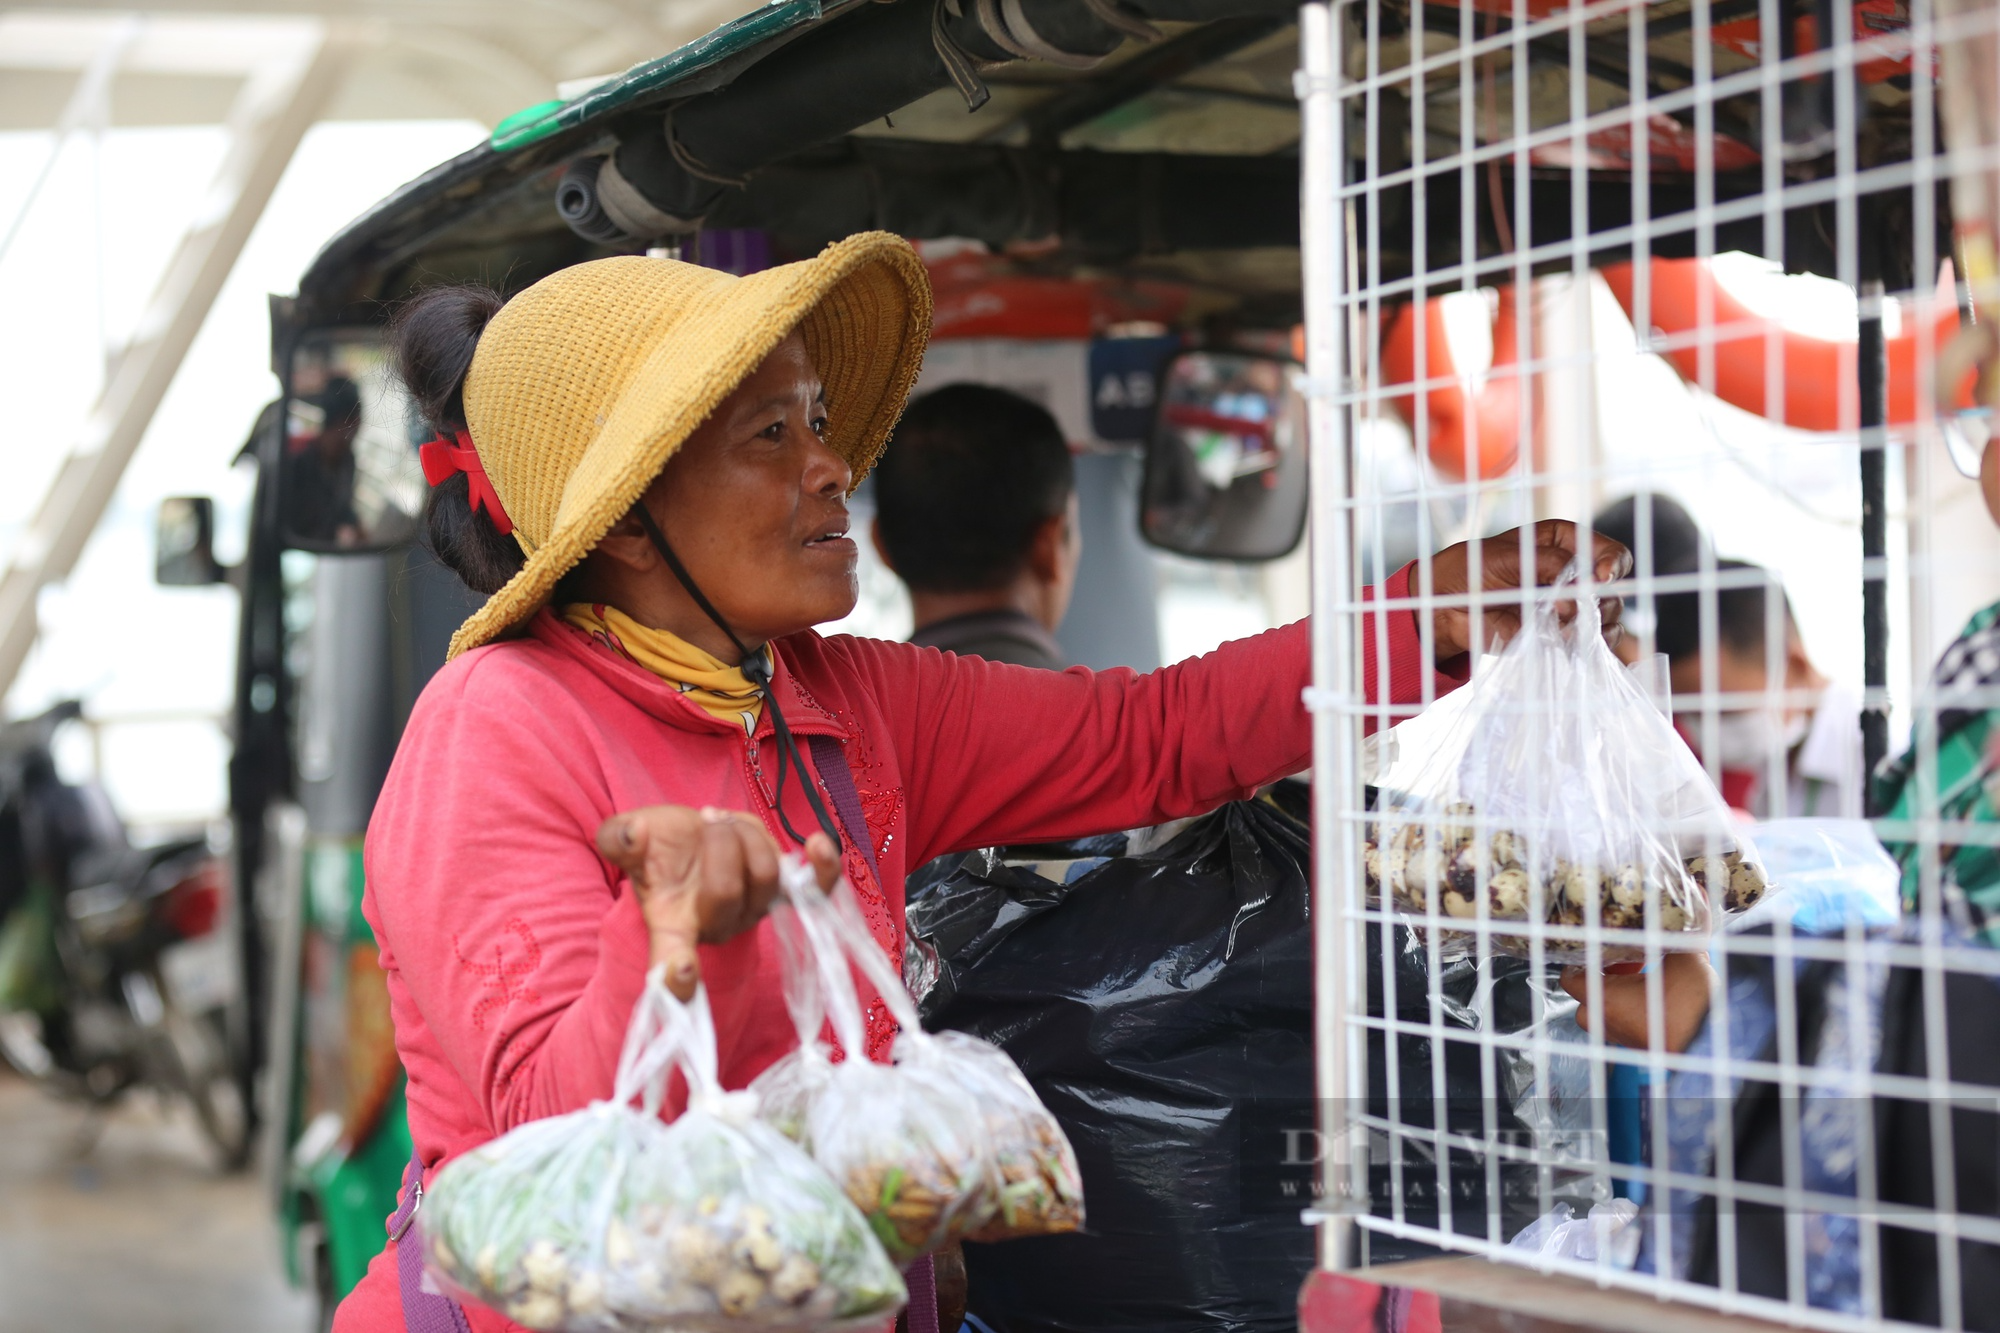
[{"x": 1525, "y": 145}]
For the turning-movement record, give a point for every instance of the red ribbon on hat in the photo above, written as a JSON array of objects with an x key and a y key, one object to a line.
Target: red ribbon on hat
[{"x": 442, "y": 459}]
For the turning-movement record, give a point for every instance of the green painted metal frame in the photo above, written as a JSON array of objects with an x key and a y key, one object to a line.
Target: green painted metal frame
[{"x": 350, "y": 1190}]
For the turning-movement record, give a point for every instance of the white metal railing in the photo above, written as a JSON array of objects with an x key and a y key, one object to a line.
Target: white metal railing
[{"x": 1478, "y": 143}]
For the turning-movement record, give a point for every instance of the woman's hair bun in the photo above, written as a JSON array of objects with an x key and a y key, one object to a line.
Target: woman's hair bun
[{"x": 434, "y": 336}]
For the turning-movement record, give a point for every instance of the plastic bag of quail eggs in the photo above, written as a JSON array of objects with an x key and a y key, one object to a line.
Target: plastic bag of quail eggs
[
  {"x": 1549, "y": 805},
  {"x": 609, "y": 1220}
]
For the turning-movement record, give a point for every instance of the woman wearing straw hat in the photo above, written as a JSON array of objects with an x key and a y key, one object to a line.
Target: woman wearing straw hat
[{"x": 645, "y": 464}]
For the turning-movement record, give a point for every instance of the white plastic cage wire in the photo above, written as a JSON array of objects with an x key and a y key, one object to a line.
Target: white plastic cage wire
[{"x": 1516, "y": 148}]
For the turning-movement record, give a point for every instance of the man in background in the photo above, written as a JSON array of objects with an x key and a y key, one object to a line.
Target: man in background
[
  {"x": 975, "y": 510},
  {"x": 1672, "y": 544},
  {"x": 1811, "y": 723},
  {"x": 1674, "y": 539}
]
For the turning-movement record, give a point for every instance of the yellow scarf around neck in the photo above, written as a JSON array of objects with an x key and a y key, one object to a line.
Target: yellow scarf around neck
[{"x": 722, "y": 690}]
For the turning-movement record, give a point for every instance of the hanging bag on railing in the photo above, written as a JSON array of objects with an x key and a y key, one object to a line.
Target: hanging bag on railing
[
  {"x": 947, "y": 1143},
  {"x": 608, "y": 1220},
  {"x": 1550, "y": 798}
]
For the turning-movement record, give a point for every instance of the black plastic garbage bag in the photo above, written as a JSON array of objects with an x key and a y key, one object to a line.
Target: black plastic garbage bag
[{"x": 1161, "y": 1003}]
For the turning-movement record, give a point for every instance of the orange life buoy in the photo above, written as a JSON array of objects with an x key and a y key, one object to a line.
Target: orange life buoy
[
  {"x": 1819, "y": 389},
  {"x": 1489, "y": 419}
]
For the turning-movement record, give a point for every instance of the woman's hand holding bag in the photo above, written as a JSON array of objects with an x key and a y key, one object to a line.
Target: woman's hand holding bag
[
  {"x": 702, "y": 876},
  {"x": 1552, "y": 549}
]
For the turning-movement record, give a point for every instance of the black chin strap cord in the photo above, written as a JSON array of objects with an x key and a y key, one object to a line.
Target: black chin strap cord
[{"x": 758, "y": 669}]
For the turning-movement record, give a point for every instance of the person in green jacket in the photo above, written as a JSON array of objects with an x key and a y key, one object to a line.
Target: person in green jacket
[
  {"x": 1960, "y": 787},
  {"x": 1951, "y": 772}
]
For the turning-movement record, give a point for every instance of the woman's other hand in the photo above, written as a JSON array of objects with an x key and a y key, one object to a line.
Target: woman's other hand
[
  {"x": 1686, "y": 980},
  {"x": 1554, "y": 545},
  {"x": 702, "y": 876}
]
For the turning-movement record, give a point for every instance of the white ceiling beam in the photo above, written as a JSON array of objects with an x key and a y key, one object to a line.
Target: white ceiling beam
[
  {"x": 641, "y": 33},
  {"x": 89, "y": 104},
  {"x": 276, "y": 107},
  {"x": 211, "y": 45},
  {"x": 521, "y": 81},
  {"x": 485, "y": 60}
]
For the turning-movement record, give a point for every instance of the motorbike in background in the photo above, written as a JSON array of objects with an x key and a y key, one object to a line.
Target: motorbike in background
[{"x": 116, "y": 969}]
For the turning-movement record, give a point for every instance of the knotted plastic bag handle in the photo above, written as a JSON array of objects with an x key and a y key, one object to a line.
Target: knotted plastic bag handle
[
  {"x": 666, "y": 1034},
  {"x": 824, "y": 935}
]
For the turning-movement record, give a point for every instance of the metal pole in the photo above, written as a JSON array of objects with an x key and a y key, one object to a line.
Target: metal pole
[
  {"x": 88, "y": 104},
  {"x": 1335, "y": 697},
  {"x": 281, "y": 905},
  {"x": 1871, "y": 371},
  {"x": 278, "y": 105}
]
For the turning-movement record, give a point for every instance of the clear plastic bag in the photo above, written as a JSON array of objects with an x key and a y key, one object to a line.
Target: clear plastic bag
[
  {"x": 1561, "y": 1234},
  {"x": 1551, "y": 790},
  {"x": 1826, "y": 874},
  {"x": 608, "y": 1220},
  {"x": 950, "y": 1142}
]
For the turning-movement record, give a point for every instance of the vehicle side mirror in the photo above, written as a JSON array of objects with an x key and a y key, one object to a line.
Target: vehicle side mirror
[
  {"x": 184, "y": 543},
  {"x": 1225, "y": 471}
]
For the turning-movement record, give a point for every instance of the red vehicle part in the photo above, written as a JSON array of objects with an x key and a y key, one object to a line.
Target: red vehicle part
[
  {"x": 986, "y": 296},
  {"x": 1255, "y": 433},
  {"x": 193, "y": 907},
  {"x": 1745, "y": 36},
  {"x": 1668, "y": 144}
]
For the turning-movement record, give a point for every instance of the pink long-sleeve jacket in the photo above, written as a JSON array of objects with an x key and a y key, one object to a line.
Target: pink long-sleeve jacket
[{"x": 515, "y": 952}]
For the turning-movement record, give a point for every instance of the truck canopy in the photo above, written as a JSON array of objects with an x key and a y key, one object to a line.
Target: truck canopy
[{"x": 1148, "y": 137}]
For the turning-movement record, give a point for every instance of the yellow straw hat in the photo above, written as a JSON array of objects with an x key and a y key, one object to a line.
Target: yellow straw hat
[{"x": 585, "y": 384}]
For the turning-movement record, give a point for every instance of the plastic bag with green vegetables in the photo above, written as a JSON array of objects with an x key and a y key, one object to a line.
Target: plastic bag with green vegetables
[
  {"x": 608, "y": 1220},
  {"x": 950, "y": 1141}
]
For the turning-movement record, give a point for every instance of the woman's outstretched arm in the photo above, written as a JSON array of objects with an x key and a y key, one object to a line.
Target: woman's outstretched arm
[{"x": 995, "y": 754}]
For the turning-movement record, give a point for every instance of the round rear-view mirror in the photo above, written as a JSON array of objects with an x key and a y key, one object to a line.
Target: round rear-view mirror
[{"x": 1226, "y": 463}]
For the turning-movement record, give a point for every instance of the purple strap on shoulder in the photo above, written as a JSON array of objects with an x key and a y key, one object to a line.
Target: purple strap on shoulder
[
  {"x": 830, "y": 758},
  {"x": 1392, "y": 1315},
  {"x": 423, "y": 1311},
  {"x": 921, "y": 1278}
]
